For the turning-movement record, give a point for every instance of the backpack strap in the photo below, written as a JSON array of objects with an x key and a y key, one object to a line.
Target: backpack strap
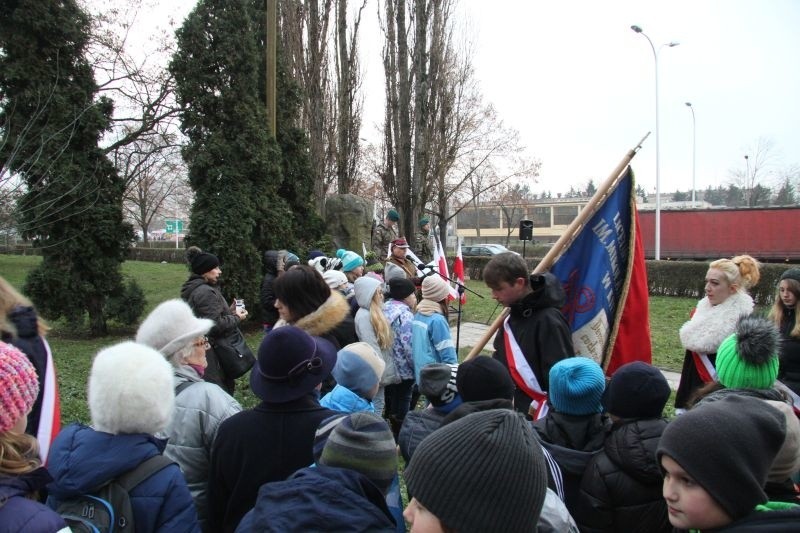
[
  {"x": 183, "y": 386},
  {"x": 132, "y": 478}
]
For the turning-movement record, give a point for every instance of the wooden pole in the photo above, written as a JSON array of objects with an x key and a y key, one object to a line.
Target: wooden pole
[{"x": 564, "y": 242}]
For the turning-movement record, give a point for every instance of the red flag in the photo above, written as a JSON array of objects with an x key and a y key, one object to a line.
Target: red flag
[
  {"x": 458, "y": 271},
  {"x": 441, "y": 263}
]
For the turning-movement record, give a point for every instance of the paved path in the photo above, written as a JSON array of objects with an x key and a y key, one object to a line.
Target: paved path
[{"x": 471, "y": 333}]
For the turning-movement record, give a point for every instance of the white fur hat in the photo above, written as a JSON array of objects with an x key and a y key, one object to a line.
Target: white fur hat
[
  {"x": 130, "y": 390},
  {"x": 170, "y": 326}
]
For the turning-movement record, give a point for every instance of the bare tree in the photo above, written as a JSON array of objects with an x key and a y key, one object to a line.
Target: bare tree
[{"x": 758, "y": 167}]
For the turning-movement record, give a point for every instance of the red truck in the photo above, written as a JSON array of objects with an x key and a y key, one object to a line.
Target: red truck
[{"x": 767, "y": 233}]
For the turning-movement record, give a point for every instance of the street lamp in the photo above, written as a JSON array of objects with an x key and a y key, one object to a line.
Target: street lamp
[
  {"x": 670, "y": 44},
  {"x": 694, "y": 149}
]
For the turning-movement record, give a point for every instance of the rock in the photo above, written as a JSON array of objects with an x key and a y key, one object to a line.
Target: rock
[{"x": 349, "y": 221}]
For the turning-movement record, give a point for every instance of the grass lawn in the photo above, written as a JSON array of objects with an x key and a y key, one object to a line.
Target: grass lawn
[{"x": 73, "y": 353}]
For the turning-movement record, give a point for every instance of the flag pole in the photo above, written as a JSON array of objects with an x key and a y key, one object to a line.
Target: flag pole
[{"x": 605, "y": 189}]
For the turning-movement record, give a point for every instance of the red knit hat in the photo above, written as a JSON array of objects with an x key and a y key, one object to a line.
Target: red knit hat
[{"x": 19, "y": 386}]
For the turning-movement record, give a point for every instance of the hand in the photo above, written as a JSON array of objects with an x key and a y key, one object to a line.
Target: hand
[{"x": 241, "y": 313}]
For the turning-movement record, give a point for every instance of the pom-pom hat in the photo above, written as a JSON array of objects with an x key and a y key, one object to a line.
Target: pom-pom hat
[
  {"x": 171, "y": 326},
  {"x": 290, "y": 364},
  {"x": 350, "y": 260},
  {"x": 19, "y": 386},
  {"x": 749, "y": 357}
]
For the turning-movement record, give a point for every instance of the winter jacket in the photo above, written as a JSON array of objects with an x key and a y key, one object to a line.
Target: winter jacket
[
  {"x": 207, "y": 302},
  {"x": 256, "y": 446},
  {"x": 400, "y": 319},
  {"x": 622, "y": 485},
  {"x": 331, "y": 321},
  {"x": 28, "y": 341},
  {"x": 200, "y": 408},
  {"x": 789, "y": 372},
  {"x": 416, "y": 426},
  {"x": 703, "y": 333},
  {"x": 320, "y": 498},
  {"x": 431, "y": 341},
  {"x": 344, "y": 400},
  {"x": 572, "y": 441},
  {"x": 82, "y": 459},
  {"x": 381, "y": 237},
  {"x": 267, "y": 299},
  {"x": 542, "y": 333},
  {"x": 19, "y": 513},
  {"x": 403, "y": 269},
  {"x": 771, "y": 517}
]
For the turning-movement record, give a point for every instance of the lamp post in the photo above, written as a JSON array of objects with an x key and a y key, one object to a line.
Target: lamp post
[
  {"x": 670, "y": 44},
  {"x": 694, "y": 150},
  {"x": 747, "y": 187}
]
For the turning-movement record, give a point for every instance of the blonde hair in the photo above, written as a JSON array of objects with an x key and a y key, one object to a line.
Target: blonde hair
[
  {"x": 383, "y": 331},
  {"x": 19, "y": 453},
  {"x": 9, "y": 299},
  {"x": 778, "y": 310},
  {"x": 742, "y": 271}
]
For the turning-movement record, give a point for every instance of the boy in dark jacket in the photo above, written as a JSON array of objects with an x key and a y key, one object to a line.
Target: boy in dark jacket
[
  {"x": 574, "y": 429},
  {"x": 621, "y": 488},
  {"x": 535, "y": 335}
]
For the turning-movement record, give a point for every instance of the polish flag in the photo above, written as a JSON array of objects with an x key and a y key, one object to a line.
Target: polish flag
[
  {"x": 441, "y": 262},
  {"x": 458, "y": 270}
]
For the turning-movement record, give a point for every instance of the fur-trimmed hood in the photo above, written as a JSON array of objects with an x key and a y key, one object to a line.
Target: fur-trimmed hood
[
  {"x": 327, "y": 316},
  {"x": 711, "y": 325}
]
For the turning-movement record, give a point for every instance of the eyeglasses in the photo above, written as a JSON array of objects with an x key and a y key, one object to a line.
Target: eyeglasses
[{"x": 202, "y": 342}]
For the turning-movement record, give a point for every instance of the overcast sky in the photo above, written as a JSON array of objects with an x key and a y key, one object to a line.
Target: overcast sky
[{"x": 578, "y": 83}]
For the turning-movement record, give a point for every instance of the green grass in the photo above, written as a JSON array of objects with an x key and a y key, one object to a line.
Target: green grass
[{"x": 73, "y": 353}]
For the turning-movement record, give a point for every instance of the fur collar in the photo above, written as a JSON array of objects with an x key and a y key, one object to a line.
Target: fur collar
[
  {"x": 327, "y": 316},
  {"x": 711, "y": 325}
]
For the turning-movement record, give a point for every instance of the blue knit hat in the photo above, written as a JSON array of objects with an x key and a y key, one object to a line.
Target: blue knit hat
[
  {"x": 350, "y": 260},
  {"x": 358, "y": 368},
  {"x": 576, "y": 386}
]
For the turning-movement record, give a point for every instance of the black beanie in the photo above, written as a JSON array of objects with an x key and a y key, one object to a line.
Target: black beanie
[
  {"x": 484, "y": 378},
  {"x": 484, "y": 472},
  {"x": 400, "y": 288},
  {"x": 637, "y": 390},
  {"x": 728, "y": 447},
  {"x": 203, "y": 262}
]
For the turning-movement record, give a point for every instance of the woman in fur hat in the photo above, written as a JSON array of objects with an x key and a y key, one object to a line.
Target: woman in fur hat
[
  {"x": 784, "y": 315},
  {"x": 200, "y": 407},
  {"x": 130, "y": 400},
  {"x": 714, "y": 319}
]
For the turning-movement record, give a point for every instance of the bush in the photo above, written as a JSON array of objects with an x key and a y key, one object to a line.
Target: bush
[{"x": 128, "y": 306}]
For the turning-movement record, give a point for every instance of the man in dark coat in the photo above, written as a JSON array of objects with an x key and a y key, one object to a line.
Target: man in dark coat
[
  {"x": 536, "y": 325},
  {"x": 202, "y": 294},
  {"x": 273, "y": 266},
  {"x": 276, "y": 438}
]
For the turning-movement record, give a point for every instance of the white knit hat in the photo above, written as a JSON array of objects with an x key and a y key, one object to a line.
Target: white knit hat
[
  {"x": 170, "y": 326},
  {"x": 435, "y": 288},
  {"x": 130, "y": 390},
  {"x": 334, "y": 278}
]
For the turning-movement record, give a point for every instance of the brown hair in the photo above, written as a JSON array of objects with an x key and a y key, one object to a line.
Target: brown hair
[
  {"x": 778, "y": 311},
  {"x": 19, "y": 453},
  {"x": 302, "y": 289},
  {"x": 9, "y": 299},
  {"x": 506, "y": 267}
]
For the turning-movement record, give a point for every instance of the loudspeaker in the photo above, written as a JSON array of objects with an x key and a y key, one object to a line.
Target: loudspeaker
[{"x": 526, "y": 230}]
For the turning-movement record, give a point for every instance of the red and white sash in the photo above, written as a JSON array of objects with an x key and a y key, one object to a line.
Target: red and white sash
[
  {"x": 523, "y": 375},
  {"x": 705, "y": 368},
  {"x": 50, "y": 416}
]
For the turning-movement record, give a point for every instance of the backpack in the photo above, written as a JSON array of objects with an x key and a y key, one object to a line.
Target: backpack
[{"x": 108, "y": 509}]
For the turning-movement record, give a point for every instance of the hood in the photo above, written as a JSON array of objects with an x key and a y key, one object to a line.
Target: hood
[
  {"x": 190, "y": 285},
  {"x": 571, "y": 461},
  {"x": 25, "y": 320},
  {"x": 632, "y": 448},
  {"x": 23, "y": 484},
  {"x": 337, "y": 497},
  {"x": 271, "y": 262},
  {"x": 548, "y": 292},
  {"x": 365, "y": 288},
  {"x": 327, "y": 316},
  {"x": 82, "y": 458}
]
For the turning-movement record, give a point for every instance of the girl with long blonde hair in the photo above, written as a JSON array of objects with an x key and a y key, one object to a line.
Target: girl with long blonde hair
[{"x": 373, "y": 328}]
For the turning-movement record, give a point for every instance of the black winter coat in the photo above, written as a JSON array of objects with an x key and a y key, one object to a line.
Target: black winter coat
[
  {"x": 621, "y": 487},
  {"x": 267, "y": 443},
  {"x": 542, "y": 333},
  {"x": 789, "y": 372},
  {"x": 267, "y": 300}
]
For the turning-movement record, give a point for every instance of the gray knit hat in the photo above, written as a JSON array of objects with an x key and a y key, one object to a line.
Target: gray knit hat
[
  {"x": 487, "y": 453},
  {"x": 362, "y": 442}
]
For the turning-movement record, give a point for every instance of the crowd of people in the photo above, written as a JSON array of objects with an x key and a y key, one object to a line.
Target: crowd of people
[{"x": 356, "y": 372}]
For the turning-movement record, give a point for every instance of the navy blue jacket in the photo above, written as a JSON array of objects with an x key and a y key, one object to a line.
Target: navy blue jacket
[
  {"x": 82, "y": 459},
  {"x": 18, "y": 513},
  {"x": 319, "y": 498}
]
